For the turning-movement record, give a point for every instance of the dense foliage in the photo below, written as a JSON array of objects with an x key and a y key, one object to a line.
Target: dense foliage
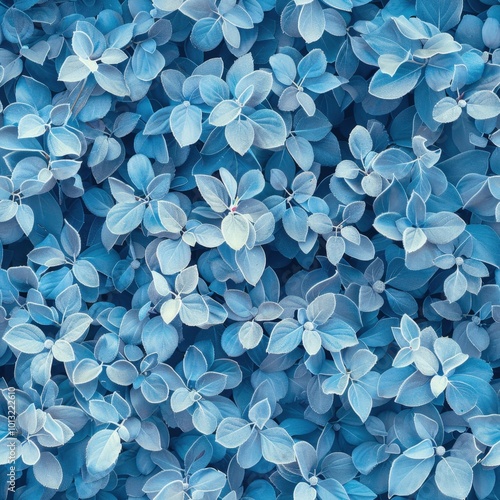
[{"x": 250, "y": 249}]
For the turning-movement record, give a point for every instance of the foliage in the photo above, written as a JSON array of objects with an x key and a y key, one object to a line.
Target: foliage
[{"x": 250, "y": 249}]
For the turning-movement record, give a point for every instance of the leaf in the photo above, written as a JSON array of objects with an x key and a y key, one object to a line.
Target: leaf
[
  {"x": 207, "y": 480},
  {"x": 260, "y": 413},
  {"x": 240, "y": 135},
  {"x": 185, "y": 123},
  {"x": 486, "y": 428},
  {"x": 260, "y": 83},
  {"x": 122, "y": 372},
  {"x": 125, "y": 217},
  {"x": 86, "y": 273},
  {"x": 335, "y": 249},
  {"x": 461, "y": 396},
  {"x": 483, "y": 105},
  {"x": 149, "y": 437},
  {"x": 360, "y": 142},
  {"x": 140, "y": 171},
  {"x": 277, "y": 446},
  {"x": 454, "y": 477},
  {"x": 251, "y": 263},
  {"x": 269, "y": 129},
  {"x": 283, "y": 68},
  {"x": 321, "y": 308},
  {"x": 233, "y": 432},
  {"x": 304, "y": 491},
  {"x": 401, "y": 83},
  {"x": 187, "y": 280},
  {"x": 194, "y": 310},
  {"x": 31, "y": 126},
  {"x": 312, "y": 65},
  {"x": 73, "y": 70},
  {"x": 295, "y": 223},
  {"x": 48, "y": 471},
  {"x": 285, "y": 336},
  {"x": 206, "y": 34},
  {"x": 251, "y": 184},
  {"x": 442, "y": 13},
  {"x": 301, "y": 151},
  {"x": 86, "y": 370},
  {"x": 25, "y": 338},
  {"x": 311, "y": 22},
  {"x": 102, "y": 451},
  {"x": 336, "y": 335},
  {"x": 485, "y": 241},
  {"x": 173, "y": 256},
  {"x": 407, "y": 475},
  {"x": 235, "y": 229},
  {"x": 414, "y": 238},
  {"x": 211, "y": 383},
  {"x": 489, "y": 32},
  {"x": 447, "y": 110},
  {"x": 492, "y": 458},
  {"x": 172, "y": 217},
  {"x": 75, "y": 326},
  {"x": 8, "y": 210},
  {"x": 224, "y": 113},
  {"x": 393, "y": 162},
  {"x": 250, "y": 334},
  {"x": 443, "y": 227},
  {"x": 455, "y": 286},
  {"x": 62, "y": 142},
  {"x": 170, "y": 309},
  {"x": 213, "y": 192},
  {"x": 112, "y": 80},
  {"x": 16, "y": 25},
  {"x": 360, "y": 401}
]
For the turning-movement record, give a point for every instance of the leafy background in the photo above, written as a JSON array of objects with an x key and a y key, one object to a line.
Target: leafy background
[{"x": 250, "y": 250}]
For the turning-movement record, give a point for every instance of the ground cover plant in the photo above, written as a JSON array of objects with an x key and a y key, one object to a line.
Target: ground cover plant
[{"x": 250, "y": 249}]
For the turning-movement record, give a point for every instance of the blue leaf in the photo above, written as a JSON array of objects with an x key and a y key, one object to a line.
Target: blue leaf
[
  {"x": 269, "y": 129},
  {"x": 73, "y": 70},
  {"x": 311, "y": 21},
  {"x": 443, "y": 14},
  {"x": 283, "y": 68},
  {"x": 125, "y": 217},
  {"x": 446, "y": 110},
  {"x": 401, "y": 83},
  {"x": 26, "y": 338},
  {"x": 360, "y": 142},
  {"x": 185, "y": 123},
  {"x": 277, "y": 446},
  {"x": 251, "y": 263},
  {"x": 206, "y": 34},
  {"x": 483, "y": 105},
  {"x": 173, "y": 256},
  {"x": 454, "y": 477},
  {"x": 435, "y": 223},
  {"x": 301, "y": 151},
  {"x": 235, "y": 229},
  {"x": 407, "y": 475},
  {"x": 285, "y": 337},
  {"x": 62, "y": 142},
  {"x": 194, "y": 310},
  {"x": 233, "y": 432},
  {"x": 48, "y": 471},
  {"x": 312, "y": 65},
  {"x": 112, "y": 80},
  {"x": 102, "y": 451},
  {"x": 260, "y": 413},
  {"x": 295, "y": 223}
]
